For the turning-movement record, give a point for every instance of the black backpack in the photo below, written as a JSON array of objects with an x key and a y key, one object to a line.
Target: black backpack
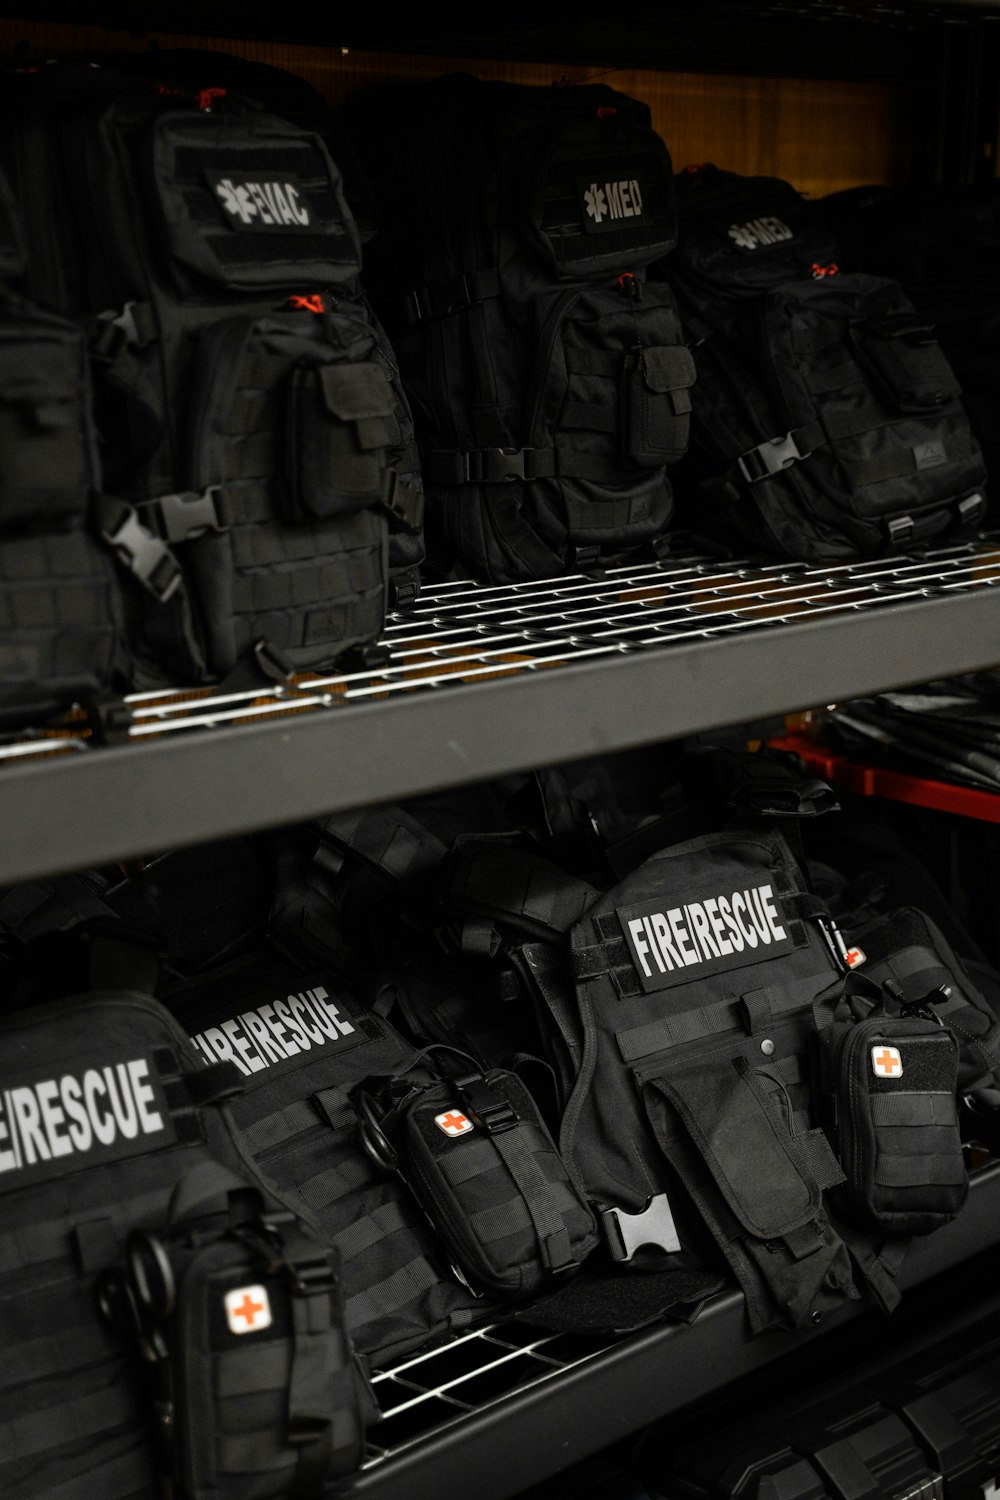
[
  {"x": 226, "y": 79},
  {"x": 548, "y": 378},
  {"x": 61, "y": 625},
  {"x": 941, "y": 244},
  {"x": 169, "y": 1324},
  {"x": 827, "y": 422},
  {"x": 246, "y": 416}
]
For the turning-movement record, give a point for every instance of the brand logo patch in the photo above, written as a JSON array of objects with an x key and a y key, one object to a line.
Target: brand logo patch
[
  {"x": 929, "y": 455},
  {"x": 724, "y": 930},
  {"x": 886, "y": 1061},
  {"x": 453, "y": 1122},
  {"x": 608, "y": 203},
  {"x": 262, "y": 203},
  {"x": 98, "y": 1113},
  {"x": 248, "y": 1309},
  {"x": 757, "y": 232}
]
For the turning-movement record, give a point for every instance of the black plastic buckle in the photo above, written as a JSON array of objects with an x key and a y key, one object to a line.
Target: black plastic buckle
[
  {"x": 495, "y": 465},
  {"x": 117, "y": 330},
  {"x": 187, "y": 515},
  {"x": 404, "y": 502},
  {"x": 770, "y": 458},
  {"x": 625, "y": 1233},
  {"x": 146, "y": 556},
  {"x": 899, "y": 529},
  {"x": 971, "y": 507},
  {"x": 490, "y": 1110},
  {"x": 403, "y": 592}
]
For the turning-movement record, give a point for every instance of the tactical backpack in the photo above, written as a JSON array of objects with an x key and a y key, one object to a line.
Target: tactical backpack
[
  {"x": 169, "y": 1324},
  {"x": 548, "y": 378},
  {"x": 827, "y": 423},
  {"x": 61, "y": 626},
  {"x": 301, "y": 1045},
  {"x": 940, "y": 243},
  {"x": 229, "y": 80},
  {"x": 246, "y": 415}
]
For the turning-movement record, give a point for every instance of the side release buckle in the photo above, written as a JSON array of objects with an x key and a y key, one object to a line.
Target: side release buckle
[
  {"x": 146, "y": 556},
  {"x": 187, "y": 515},
  {"x": 770, "y": 458},
  {"x": 625, "y": 1233}
]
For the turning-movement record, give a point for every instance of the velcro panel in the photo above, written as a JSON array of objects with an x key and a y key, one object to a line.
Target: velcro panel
[{"x": 251, "y": 202}]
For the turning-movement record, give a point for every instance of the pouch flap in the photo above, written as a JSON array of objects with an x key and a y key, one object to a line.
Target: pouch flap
[
  {"x": 356, "y": 392},
  {"x": 599, "y": 194},
  {"x": 669, "y": 368},
  {"x": 901, "y": 348},
  {"x": 250, "y": 202},
  {"x": 744, "y": 1146}
]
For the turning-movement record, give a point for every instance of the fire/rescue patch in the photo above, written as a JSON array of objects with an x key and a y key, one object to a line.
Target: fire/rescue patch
[{"x": 717, "y": 931}]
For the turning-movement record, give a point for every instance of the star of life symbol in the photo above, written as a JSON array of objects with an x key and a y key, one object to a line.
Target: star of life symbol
[
  {"x": 742, "y": 237},
  {"x": 597, "y": 203},
  {"x": 886, "y": 1061},
  {"x": 236, "y": 200},
  {"x": 248, "y": 1309},
  {"x": 453, "y": 1122}
]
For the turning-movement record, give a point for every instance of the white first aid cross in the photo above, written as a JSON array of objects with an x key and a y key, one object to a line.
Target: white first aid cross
[
  {"x": 248, "y": 1309},
  {"x": 886, "y": 1061}
]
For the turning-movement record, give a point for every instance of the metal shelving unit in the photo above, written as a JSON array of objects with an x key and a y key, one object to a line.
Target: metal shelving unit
[
  {"x": 482, "y": 680},
  {"x": 479, "y": 681}
]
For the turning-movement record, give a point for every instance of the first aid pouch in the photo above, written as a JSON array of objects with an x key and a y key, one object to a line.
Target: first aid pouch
[
  {"x": 889, "y": 1083},
  {"x": 476, "y": 1154}
]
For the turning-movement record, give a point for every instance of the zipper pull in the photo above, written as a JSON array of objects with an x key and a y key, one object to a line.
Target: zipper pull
[{"x": 628, "y": 285}]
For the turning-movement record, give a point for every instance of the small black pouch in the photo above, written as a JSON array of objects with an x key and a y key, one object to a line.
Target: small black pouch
[
  {"x": 656, "y": 404},
  {"x": 475, "y": 1153},
  {"x": 254, "y": 1390},
  {"x": 890, "y": 1087}
]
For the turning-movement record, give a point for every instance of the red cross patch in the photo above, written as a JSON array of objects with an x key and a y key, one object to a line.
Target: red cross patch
[
  {"x": 886, "y": 1061},
  {"x": 854, "y": 957},
  {"x": 248, "y": 1309},
  {"x": 453, "y": 1122}
]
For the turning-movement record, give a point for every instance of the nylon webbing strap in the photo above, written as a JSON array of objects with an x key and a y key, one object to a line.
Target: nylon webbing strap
[
  {"x": 275, "y": 1129},
  {"x": 387, "y": 838},
  {"x": 918, "y": 1171},
  {"x": 439, "y": 298},
  {"x": 30, "y": 1245},
  {"x": 539, "y": 1197},
  {"x": 235, "y": 1375},
  {"x": 361, "y": 1234},
  {"x": 688, "y": 1026},
  {"x": 405, "y": 1284},
  {"x": 819, "y": 1159},
  {"x": 334, "y": 1183},
  {"x": 918, "y": 1109},
  {"x": 502, "y": 465},
  {"x": 123, "y": 1477},
  {"x": 67, "y": 1349},
  {"x": 511, "y": 883},
  {"x": 73, "y": 1421}
]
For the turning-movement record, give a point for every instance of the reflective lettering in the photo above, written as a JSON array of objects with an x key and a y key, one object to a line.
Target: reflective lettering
[
  {"x": 80, "y": 1131},
  {"x": 266, "y": 1013},
  {"x": 735, "y": 932},
  {"x": 292, "y": 1047},
  {"x": 654, "y": 947},
  {"x": 665, "y": 942},
  {"x": 637, "y": 930},
  {"x": 688, "y": 952},
  {"x": 242, "y": 1046},
  {"x": 739, "y": 906},
  {"x": 48, "y": 1093},
  {"x": 122, "y": 1105},
  {"x": 771, "y": 913},
  {"x": 699, "y": 921},
  {"x": 265, "y": 1044},
  {"x": 299, "y": 214},
  {"x": 151, "y": 1119},
  {"x": 300, "y": 1011},
  {"x": 29, "y": 1126},
  {"x": 103, "y": 1125},
  {"x": 8, "y": 1160},
  {"x": 757, "y": 915},
  {"x": 712, "y": 913},
  {"x": 257, "y": 194}
]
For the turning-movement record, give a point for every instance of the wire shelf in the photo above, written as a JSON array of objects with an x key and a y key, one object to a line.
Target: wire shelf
[{"x": 463, "y": 633}]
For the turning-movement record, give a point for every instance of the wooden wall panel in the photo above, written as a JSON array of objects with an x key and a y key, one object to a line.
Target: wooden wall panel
[{"x": 822, "y": 135}]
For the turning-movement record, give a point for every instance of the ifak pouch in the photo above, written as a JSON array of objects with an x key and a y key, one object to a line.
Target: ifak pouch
[
  {"x": 889, "y": 1074},
  {"x": 477, "y": 1156}
]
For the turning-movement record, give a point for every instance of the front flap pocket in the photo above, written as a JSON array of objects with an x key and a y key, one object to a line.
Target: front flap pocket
[
  {"x": 341, "y": 422},
  {"x": 744, "y": 1146},
  {"x": 902, "y": 353},
  {"x": 47, "y": 463},
  {"x": 250, "y": 203},
  {"x": 599, "y": 195},
  {"x": 656, "y": 404}
]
